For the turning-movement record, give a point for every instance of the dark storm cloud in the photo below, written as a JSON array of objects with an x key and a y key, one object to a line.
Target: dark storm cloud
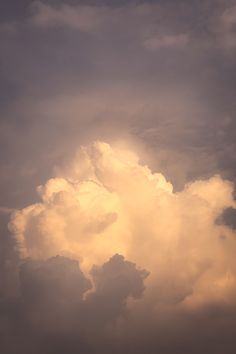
[{"x": 160, "y": 73}]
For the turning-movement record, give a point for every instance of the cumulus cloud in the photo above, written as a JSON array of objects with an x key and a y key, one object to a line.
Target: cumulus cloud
[
  {"x": 108, "y": 203},
  {"x": 56, "y": 279},
  {"x": 53, "y": 292},
  {"x": 51, "y": 303},
  {"x": 115, "y": 281},
  {"x": 111, "y": 257},
  {"x": 111, "y": 253}
]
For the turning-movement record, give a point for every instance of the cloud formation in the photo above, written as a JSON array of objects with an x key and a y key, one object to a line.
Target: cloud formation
[
  {"x": 107, "y": 256},
  {"x": 110, "y": 253},
  {"x": 108, "y": 203}
]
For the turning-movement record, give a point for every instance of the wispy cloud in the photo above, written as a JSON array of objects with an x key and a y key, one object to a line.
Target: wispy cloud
[
  {"x": 80, "y": 17},
  {"x": 223, "y": 27},
  {"x": 166, "y": 41},
  {"x": 4, "y": 210}
]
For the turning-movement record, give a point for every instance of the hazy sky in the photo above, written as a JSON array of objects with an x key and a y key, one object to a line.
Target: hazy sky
[{"x": 129, "y": 242}]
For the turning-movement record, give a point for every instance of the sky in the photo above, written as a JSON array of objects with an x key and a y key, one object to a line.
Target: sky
[{"x": 118, "y": 131}]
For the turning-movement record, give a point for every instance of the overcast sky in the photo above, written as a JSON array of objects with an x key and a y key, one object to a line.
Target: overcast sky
[{"x": 155, "y": 77}]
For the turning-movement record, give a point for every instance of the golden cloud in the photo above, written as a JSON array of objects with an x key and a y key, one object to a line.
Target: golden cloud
[{"x": 108, "y": 203}]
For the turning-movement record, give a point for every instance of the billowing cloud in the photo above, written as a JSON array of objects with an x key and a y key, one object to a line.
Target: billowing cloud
[
  {"x": 53, "y": 292},
  {"x": 106, "y": 255},
  {"x": 112, "y": 257},
  {"x": 108, "y": 203}
]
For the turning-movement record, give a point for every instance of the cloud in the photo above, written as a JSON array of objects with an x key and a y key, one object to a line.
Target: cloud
[
  {"x": 51, "y": 306},
  {"x": 84, "y": 18},
  {"x": 114, "y": 282},
  {"x": 72, "y": 275},
  {"x": 108, "y": 203},
  {"x": 4, "y": 210},
  {"x": 56, "y": 279},
  {"x": 228, "y": 25},
  {"x": 223, "y": 27},
  {"x": 139, "y": 21},
  {"x": 111, "y": 257},
  {"x": 166, "y": 41}
]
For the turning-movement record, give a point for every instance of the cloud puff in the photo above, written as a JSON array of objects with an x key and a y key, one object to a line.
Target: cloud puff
[
  {"x": 115, "y": 281},
  {"x": 108, "y": 203}
]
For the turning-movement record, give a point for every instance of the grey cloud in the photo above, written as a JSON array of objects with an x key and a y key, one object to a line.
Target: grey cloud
[
  {"x": 56, "y": 70},
  {"x": 59, "y": 284},
  {"x": 118, "y": 277},
  {"x": 223, "y": 27},
  {"x": 166, "y": 41},
  {"x": 114, "y": 282},
  {"x": 57, "y": 279},
  {"x": 81, "y": 17},
  {"x": 8, "y": 259},
  {"x": 228, "y": 218},
  {"x": 66, "y": 322},
  {"x": 50, "y": 312}
]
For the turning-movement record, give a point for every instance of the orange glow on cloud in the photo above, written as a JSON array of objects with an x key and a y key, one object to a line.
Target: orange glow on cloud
[{"x": 108, "y": 203}]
